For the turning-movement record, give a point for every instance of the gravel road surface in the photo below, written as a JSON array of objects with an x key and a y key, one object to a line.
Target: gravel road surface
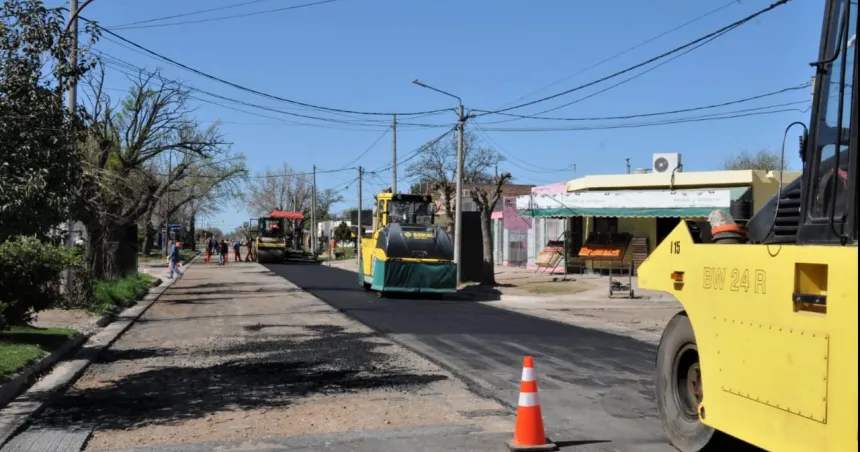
[
  {"x": 236, "y": 353},
  {"x": 595, "y": 386}
]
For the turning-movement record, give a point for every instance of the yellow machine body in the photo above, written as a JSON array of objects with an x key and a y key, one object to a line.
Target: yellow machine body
[
  {"x": 775, "y": 373},
  {"x": 406, "y": 252}
]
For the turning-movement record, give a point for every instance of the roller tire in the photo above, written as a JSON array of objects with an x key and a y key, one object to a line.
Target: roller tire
[{"x": 684, "y": 429}]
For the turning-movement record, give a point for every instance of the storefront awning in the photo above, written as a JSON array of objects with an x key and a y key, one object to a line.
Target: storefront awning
[{"x": 632, "y": 203}]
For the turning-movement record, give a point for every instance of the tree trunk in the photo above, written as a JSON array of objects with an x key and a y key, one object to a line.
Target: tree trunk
[
  {"x": 488, "y": 273},
  {"x": 149, "y": 238}
]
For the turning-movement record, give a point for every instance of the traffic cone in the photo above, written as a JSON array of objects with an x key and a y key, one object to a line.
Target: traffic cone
[{"x": 529, "y": 434}]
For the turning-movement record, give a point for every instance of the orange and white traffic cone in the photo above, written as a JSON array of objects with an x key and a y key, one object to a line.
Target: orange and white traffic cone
[{"x": 529, "y": 434}]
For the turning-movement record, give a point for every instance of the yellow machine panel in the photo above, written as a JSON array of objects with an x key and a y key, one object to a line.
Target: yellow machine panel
[{"x": 777, "y": 373}]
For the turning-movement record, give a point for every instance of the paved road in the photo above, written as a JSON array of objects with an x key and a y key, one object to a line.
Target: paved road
[{"x": 595, "y": 386}]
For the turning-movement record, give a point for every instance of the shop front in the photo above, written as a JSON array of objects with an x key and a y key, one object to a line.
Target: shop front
[{"x": 615, "y": 230}]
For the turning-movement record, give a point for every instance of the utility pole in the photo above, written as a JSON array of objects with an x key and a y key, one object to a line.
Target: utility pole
[
  {"x": 394, "y": 153},
  {"x": 358, "y": 229},
  {"x": 314, "y": 212},
  {"x": 167, "y": 212},
  {"x": 458, "y": 215},
  {"x": 628, "y": 165},
  {"x": 71, "y": 104},
  {"x": 574, "y": 170}
]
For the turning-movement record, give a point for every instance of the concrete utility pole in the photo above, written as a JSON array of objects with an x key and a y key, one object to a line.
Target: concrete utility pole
[
  {"x": 71, "y": 104},
  {"x": 458, "y": 202},
  {"x": 394, "y": 153},
  {"x": 314, "y": 212},
  {"x": 358, "y": 228},
  {"x": 628, "y": 165},
  {"x": 458, "y": 216}
]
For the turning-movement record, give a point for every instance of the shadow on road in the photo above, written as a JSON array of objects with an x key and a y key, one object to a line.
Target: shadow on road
[{"x": 266, "y": 369}]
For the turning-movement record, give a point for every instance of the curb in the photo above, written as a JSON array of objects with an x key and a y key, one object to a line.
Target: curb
[{"x": 33, "y": 401}]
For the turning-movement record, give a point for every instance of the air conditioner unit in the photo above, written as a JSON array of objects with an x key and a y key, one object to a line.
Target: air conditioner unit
[{"x": 666, "y": 163}]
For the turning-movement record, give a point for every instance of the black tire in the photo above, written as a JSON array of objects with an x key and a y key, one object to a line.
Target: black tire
[
  {"x": 365, "y": 286},
  {"x": 678, "y": 382}
]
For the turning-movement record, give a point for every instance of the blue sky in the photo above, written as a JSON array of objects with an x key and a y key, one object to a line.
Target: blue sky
[{"x": 363, "y": 54}]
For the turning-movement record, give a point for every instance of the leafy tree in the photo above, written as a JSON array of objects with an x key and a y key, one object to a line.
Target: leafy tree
[
  {"x": 342, "y": 233},
  {"x": 37, "y": 133},
  {"x": 764, "y": 160}
]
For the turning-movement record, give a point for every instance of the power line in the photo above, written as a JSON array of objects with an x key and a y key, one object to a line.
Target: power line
[
  {"x": 110, "y": 60},
  {"x": 624, "y": 52},
  {"x": 414, "y": 153},
  {"x": 369, "y": 148},
  {"x": 234, "y": 16},
  {"x": 193, "y": 13},
  {"x": 660, "y": 113},
  {"x": 707, "y": 37},
  {"x": 260, "y": 93},
  {"x": 508, "y": 155},
  {"x": 712, "y": 117}
]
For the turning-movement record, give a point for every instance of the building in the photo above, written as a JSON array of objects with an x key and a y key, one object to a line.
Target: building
[
  {"x": 518, "y": 239},
  {"x": 631, "y": 214}
]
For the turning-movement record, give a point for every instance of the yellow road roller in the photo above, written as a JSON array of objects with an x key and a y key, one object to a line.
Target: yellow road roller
[
  {"x": 765, "y": 349},
  {"x": 407, "y": 253}
]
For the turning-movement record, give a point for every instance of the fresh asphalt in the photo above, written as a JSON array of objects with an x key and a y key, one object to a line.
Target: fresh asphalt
[{"x": 596, "y": 388}]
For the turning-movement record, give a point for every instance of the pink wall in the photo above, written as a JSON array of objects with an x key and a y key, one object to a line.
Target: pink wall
[{"x": 551, "y": 189}]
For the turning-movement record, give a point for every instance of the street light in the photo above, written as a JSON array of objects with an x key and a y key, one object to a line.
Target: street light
[{"x": 458, "y": 201}]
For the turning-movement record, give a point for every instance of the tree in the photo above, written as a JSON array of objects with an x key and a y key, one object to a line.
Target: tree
[
  {"x": 764, "y": 160},
  {"x": 286, "y": 189},
  {"x": 39, "y": 165},
  {"x": 486, "y": 197},
  {"x": 437, "y": 165},
  {"x": 342, "y": 233},
  {"x": 122, "y": 181}
]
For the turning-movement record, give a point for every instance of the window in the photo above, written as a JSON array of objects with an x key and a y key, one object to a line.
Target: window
[
  {"x": 605, "y": 225},
  {"x": 831, "y": 166}
]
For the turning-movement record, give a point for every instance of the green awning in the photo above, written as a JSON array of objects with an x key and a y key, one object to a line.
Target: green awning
[{"x": 693, "y": 212}]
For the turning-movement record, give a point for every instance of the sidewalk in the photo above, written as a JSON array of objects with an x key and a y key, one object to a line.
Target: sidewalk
[
  {"x": 235, "y": 353},
  {"x": 582, "y": 300}
]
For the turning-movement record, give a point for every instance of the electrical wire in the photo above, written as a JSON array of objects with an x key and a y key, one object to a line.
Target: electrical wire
[
  {"x": 511, "y": 155},
  {"x": 213, "y": 19},
  {"x": 193, "y": 13},
  {"x": 680, "y": 48},
  {"x": 713, "y": 117},
  {"x": 661, "y": 113},
  {"x": 121, "y": 66},
  {"x": 624, "y": 52},
  {"x": 260, "y": 93},
  {"x": 416, "y": 152},
  {"x": 369, "y": 148}
]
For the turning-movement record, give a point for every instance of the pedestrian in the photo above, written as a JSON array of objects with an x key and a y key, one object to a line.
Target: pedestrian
[
  {"x": 225, "y": 251},
  {"x": 210, "y": 247},
  {"x": 236, "y": 245},
  {"x": 173, "y": 261}
]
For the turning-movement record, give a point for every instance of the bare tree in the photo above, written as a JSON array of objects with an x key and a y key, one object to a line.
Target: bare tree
[
  {"x": 437, "y": 165},
  {"x": 486, "y": 197},
  {"x": 764, "y": 160},
  {"x": 286, "y": 189},
  {"x": 121, "y": 182}
]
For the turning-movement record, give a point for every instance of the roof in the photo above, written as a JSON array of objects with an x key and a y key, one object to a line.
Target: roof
[
  {"x": 286, "y": 215},
  {"x": 691, "y": 179}
]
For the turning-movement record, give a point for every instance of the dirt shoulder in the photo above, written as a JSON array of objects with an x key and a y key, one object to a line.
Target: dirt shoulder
[{"x": 233, "y": 353}]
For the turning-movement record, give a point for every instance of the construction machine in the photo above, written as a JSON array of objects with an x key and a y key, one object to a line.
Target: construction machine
[
  {"x": 765, "y": 349},
  {"x": 406, "y": 253},
  {"x": 274, "y": 238}
]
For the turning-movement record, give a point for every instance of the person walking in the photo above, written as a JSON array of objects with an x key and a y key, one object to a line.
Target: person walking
[
  {"x": 237, "y": 245},
  {"x": 210, "y": 248},
  {"x": 173, "y": 261},
  {"x": 225, "y": 251}
]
